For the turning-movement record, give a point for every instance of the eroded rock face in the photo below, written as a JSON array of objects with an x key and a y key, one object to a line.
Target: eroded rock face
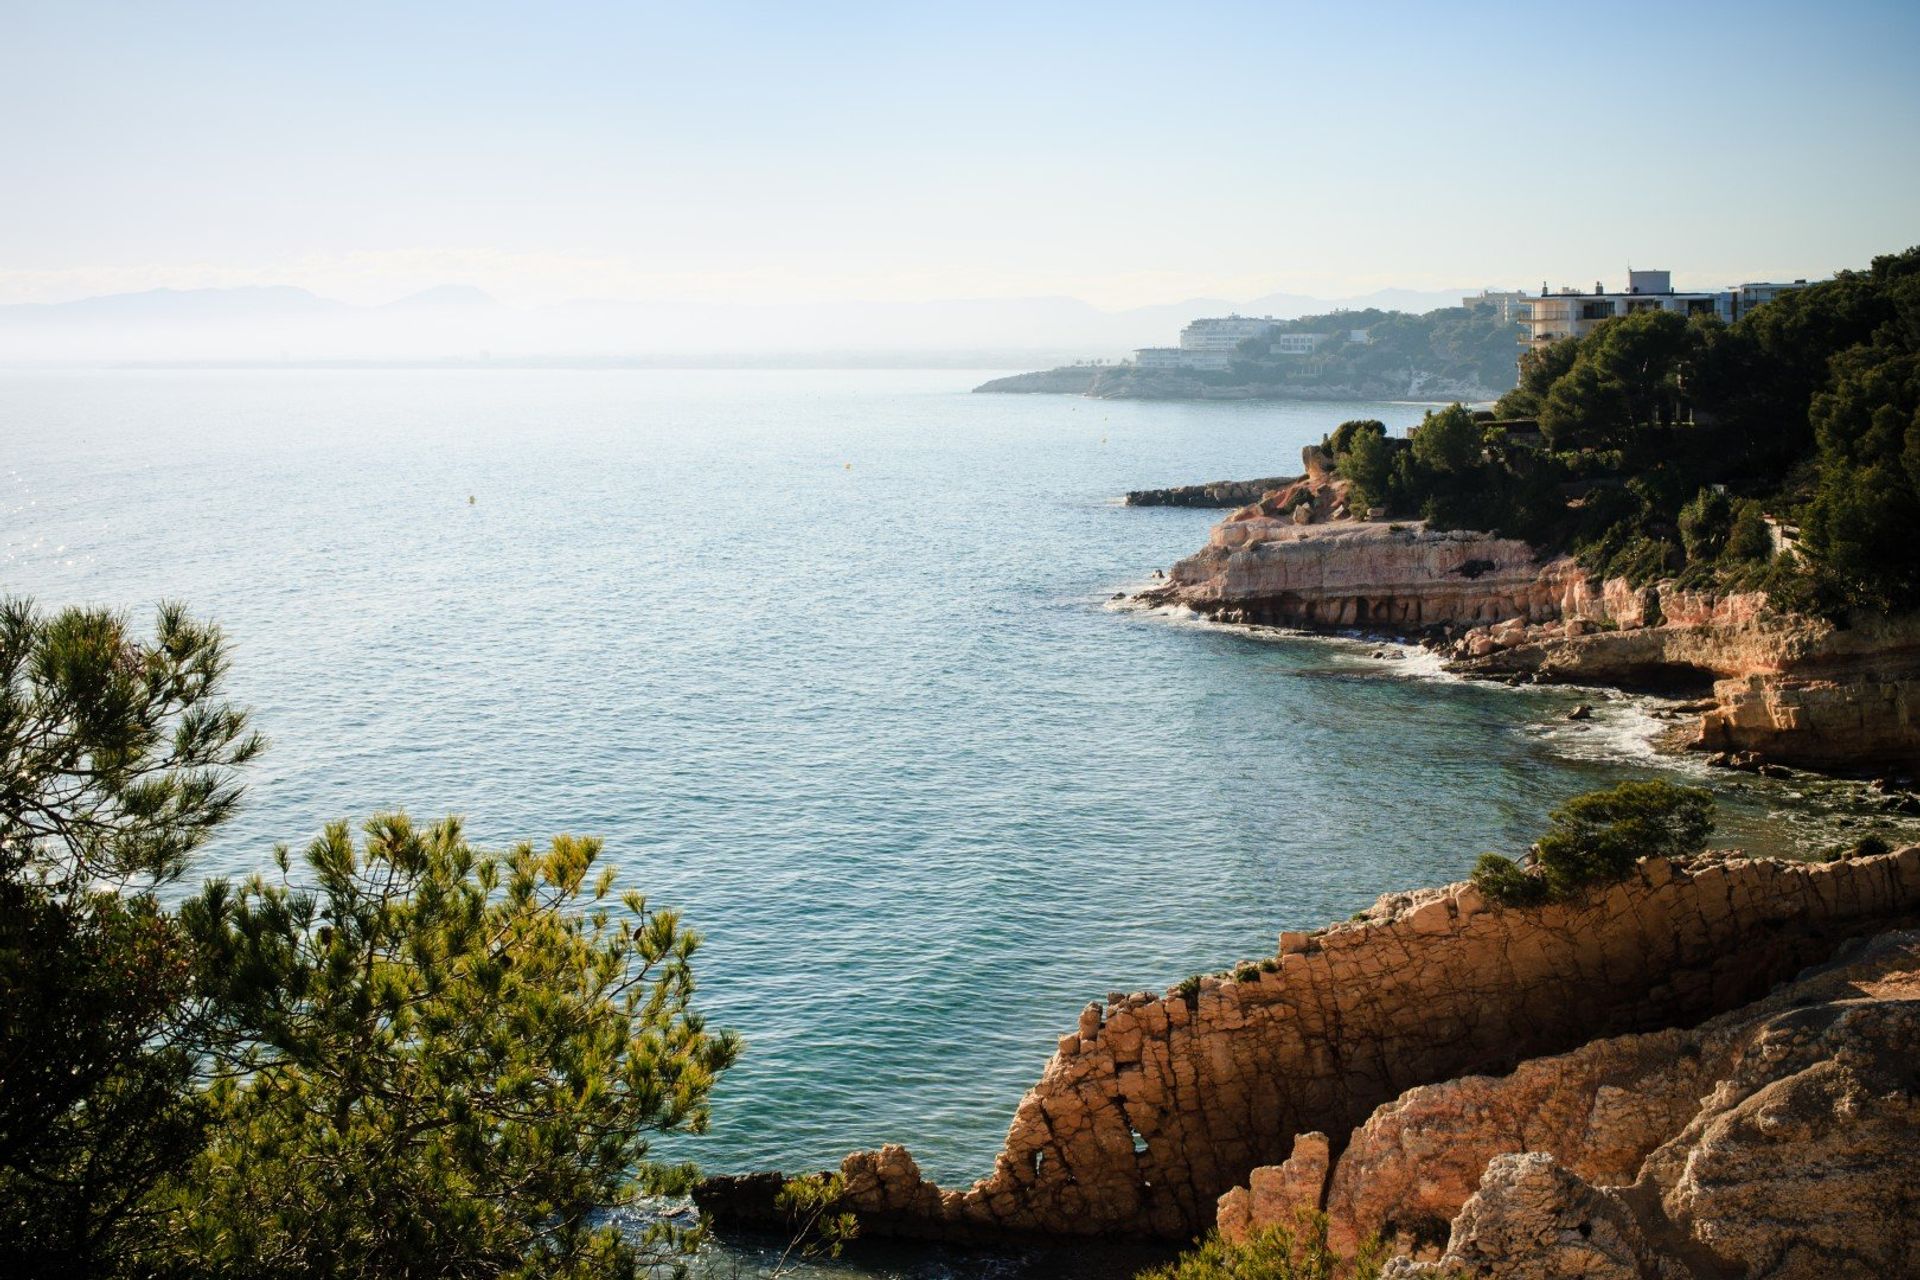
[
  {"x": 1534, "y": 1220},
  {"x": 1157, "y": 1105},
  {"x": 1780, "y": 1140},
  {"x": 1278, "y": 1193},
  {"x": 1265, "y": 568},
  {"x": 1799, "y": 690},
  {"x": 1599, "y": 1110}
]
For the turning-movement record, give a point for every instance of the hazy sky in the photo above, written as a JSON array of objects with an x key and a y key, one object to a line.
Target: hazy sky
[{"x": 804, "y": 151}]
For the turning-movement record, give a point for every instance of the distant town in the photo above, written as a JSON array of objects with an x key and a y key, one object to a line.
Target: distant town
[{"x": 1212, "y": 344}]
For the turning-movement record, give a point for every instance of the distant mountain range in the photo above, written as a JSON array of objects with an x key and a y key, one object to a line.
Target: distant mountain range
[{"x": 459, "y": 323}]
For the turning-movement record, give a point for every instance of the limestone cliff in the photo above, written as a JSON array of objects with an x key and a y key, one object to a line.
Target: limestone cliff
[
  {"x": 1780, "y": 1140},
  {"x": 1799, "y": 690},
  {"x": 1156, "y": 1105}
]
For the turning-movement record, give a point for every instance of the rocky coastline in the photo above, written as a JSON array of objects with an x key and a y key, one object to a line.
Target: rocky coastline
[
  {"x": 1784, "y": 688},
  {"x": 1555, "y": 1056},
  {"x": 1129, "y": 382},
  {"x": 1702, "y": 1071}
]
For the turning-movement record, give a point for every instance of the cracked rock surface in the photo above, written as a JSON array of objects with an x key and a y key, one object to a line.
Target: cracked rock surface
[
  {"x": 1156, "y": 1105},
  {"x": 1778, "y": 1141}
]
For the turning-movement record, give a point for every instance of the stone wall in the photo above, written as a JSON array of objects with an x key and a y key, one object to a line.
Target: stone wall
[{"x": 1156, "y": 1105}]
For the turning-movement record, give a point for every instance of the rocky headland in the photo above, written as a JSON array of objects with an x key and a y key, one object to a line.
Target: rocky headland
[
  {"x": 1129, "y": 382},
  {"x": 1457, "y": 1076},
  {"x": 1214, "y": 493},
  {"x": 1784, "y": 687}
]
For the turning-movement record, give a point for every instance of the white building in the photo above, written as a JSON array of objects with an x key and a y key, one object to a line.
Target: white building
[
  {"x": 1225, "y": 333},
  {"x": 1183, "y": 358},
  {"x": 1569, "y": 313},
  {"x": 1508, "y": 308},
  {"x": 1743, "y": 298},
  {"x": 1298, "y": 344}
]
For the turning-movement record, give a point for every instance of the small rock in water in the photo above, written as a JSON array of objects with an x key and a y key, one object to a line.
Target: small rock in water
[
  {"x": 1581, "y": 712},
  {"x": 1379, "y": 653}
]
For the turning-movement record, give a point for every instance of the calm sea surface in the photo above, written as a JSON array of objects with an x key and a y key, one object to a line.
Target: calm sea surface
[{"x": 828, "y": 660}]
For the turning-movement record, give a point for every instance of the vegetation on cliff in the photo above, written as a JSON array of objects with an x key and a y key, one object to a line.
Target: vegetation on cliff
[
  {"x": 1596, "y": 838},
  {"x": 1299, "y": 1252},
  {"x": 416, "y": 1059},
  {"x": 1660, "y": 446}
]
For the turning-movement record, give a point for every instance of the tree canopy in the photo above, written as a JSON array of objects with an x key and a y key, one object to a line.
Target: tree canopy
[
  {"x": 404, "y": 1057},
  {"x": 1665, "y": 442},
  {"x": 118, "y": 758},
  {"x": 479, "y": 1044}
]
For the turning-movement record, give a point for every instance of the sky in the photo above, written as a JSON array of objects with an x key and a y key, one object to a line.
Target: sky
[{"x": 1116, "y": 153}]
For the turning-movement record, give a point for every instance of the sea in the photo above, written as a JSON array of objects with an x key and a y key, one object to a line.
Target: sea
[{"x": 833, "y": 663}]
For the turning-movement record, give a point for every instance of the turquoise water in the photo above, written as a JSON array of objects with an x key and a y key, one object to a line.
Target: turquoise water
[{"x": 828, "y": 660}]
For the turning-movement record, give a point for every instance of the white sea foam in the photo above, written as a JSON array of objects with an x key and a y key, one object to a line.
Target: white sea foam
[{"x": 1623, "y": 727}]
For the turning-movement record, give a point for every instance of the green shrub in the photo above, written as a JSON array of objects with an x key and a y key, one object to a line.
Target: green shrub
[
  {"x": 1867, "y": 846},
  {"x": 1449, "y": 441},
  {"x": 1300, "y": 1252},
  {"x": 1341, "y": 438},
  {"x": 1747, "y": 536},
  {"x": 1504, "y": 881},
  {"x": 1704, "y": 525},
  {"x": 1367, "y": 466},
  {"x": 1597, "y": 837}
]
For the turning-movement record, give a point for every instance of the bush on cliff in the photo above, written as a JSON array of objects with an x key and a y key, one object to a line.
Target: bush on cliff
[
  {"x": 1506, "y": 881},
  {"x": 1300, "y": 1252},
  {"x": 1367, "y": 465},
  {"x": 1596, "y": 838},
  {"x": 440, "y": 1061},
  {"x": 1339, "y": 442}
]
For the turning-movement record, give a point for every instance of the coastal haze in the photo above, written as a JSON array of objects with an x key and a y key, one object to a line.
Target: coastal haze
[
  {"x": 464, "y": 325},
  {"x": 1021, "y": 186}
]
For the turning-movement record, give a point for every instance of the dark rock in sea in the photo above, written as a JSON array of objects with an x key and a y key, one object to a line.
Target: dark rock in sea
[
  {"x": 1072, "y": 379},
  {"x": 1581, "y": 712},
  {"x": 1214, "y": 493}
]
